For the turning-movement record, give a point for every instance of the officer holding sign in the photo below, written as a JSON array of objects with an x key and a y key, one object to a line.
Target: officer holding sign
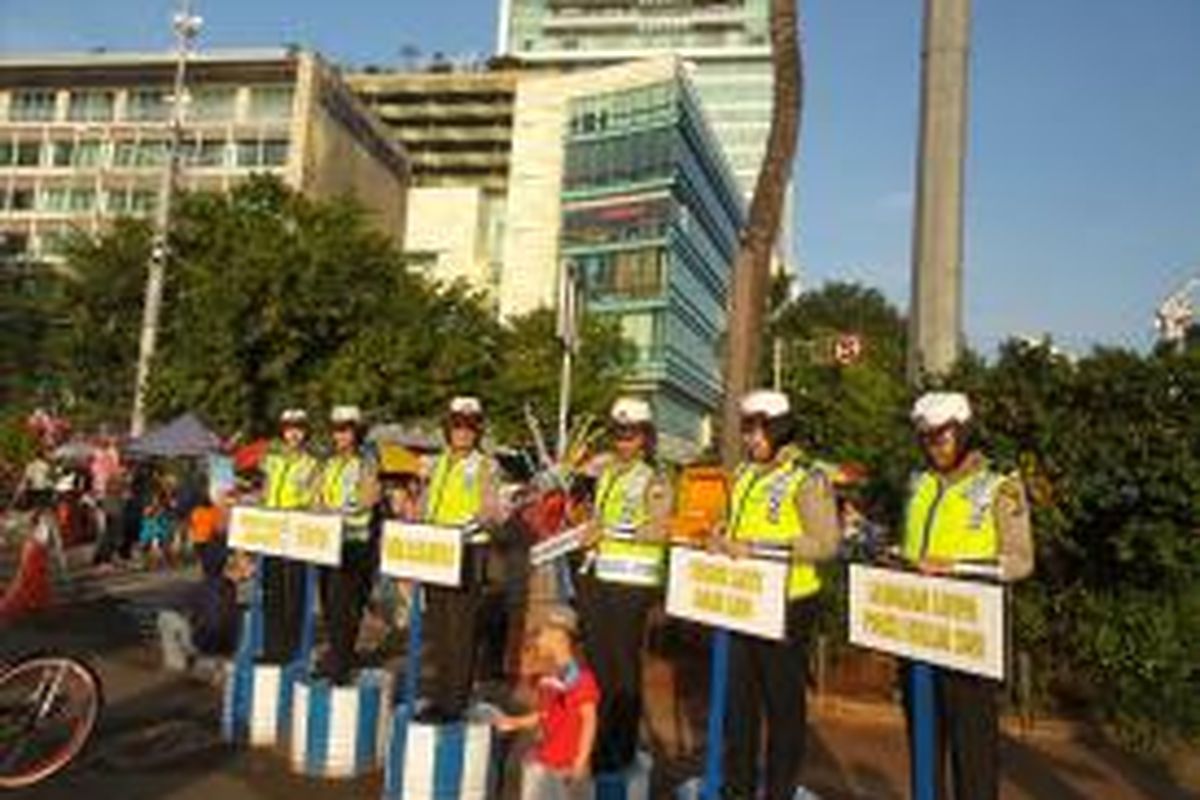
[
  {"x": 628, "y": 570},
  {"x": 348, "y": 486},
  {"x": 290, "y": 472},
  {"x": 460, "y": 493},
  {"x": 782, "y": 502},
  {"x": 962, "y": 515}
]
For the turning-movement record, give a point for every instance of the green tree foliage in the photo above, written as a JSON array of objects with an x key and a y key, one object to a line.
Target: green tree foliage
[
  {"x": 854, "y": 412},
  {"x": 1109, "y": 448},
  {"x": 529, "y": 371},
  {"x": 28, "y": 325},
  {"x": 273, "y": 299},
  {"x": 102, "y": 301}
]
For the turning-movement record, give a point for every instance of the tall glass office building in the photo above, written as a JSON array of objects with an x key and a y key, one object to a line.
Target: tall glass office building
[
  {"x": 650, "y": 215},
  {"x": 726, "y": 41}
]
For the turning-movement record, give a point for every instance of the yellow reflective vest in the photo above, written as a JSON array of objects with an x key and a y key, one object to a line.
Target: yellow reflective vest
[
  {"x": 341, "y": 491},
  {"x": 621, "y": 511},
  {"x": 456, "y": 489},
  {"x": 763, "y": 510},
  {"x": 289, "y": 479},
  {"x": 952, "y": 522}
]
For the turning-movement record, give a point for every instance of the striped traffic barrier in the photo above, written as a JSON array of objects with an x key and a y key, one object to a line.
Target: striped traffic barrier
[
  {"x": 258, "y": 702},
  {"x": 439, "y": 761},
  {"x": 339, "y": 731}
]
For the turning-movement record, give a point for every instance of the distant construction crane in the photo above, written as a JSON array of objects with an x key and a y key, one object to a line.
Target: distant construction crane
[{"x": 1175, "y": 314}]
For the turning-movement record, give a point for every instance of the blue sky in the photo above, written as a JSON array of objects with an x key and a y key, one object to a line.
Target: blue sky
[{"x": 1083, "y": 187}]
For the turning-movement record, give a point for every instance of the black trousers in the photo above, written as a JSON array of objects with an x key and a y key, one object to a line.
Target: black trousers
[
  {"x": 767, "y": 679},
  {"x": 968, "y": 730},
  {"x": 613, "y": 623},
  {"x": 345, "y": 591},
  {"x": 451, "y": 630},
  {"x": 283, "y": 609}
]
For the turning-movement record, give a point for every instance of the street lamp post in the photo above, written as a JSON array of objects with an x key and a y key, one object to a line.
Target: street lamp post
[{"x": 187, "y": 27}]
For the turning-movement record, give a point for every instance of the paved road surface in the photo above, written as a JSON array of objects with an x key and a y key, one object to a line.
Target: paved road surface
[{"x": 153, "y": 716}]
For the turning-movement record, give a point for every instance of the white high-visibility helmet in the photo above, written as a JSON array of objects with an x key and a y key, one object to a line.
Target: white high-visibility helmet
[
  {"x": 466, "y": 406},
  {"x": 765, "y": 403},
  {"x": 937, "y": 409},
  {"x": 345, "y": 415},
  {"x": 293, "y": 416},
  {"x": 631, "y": 411}
]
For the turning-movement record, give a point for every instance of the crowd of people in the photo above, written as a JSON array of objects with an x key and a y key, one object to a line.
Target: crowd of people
[{"x": 589, "y": 703}]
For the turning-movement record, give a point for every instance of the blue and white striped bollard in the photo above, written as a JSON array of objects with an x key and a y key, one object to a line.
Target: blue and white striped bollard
[
  {"x": 339, "y": 731},
  {"x": 452, "y": 761},
  {"x": 258, "y": 702}
]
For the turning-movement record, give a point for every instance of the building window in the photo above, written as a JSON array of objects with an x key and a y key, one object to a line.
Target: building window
[
  {"x": 21, "y": 199},
  {"x": 67, "y": 199},
  {"x": 635, "y": 274},
  {"x": 643, "y": 331},
  {"x": 274, "y": 152},
  {"x": 210, "y": 153},
  {"x": 89, "y": 153},
  {"x": 271, "y": 102},
  {"x": 35, "y": 105},
  {"x": 130, "y": 201},
  {"x": 62, "y": 153},
  {"x": 211, "y": 104},
  {"x": 150, "y": 153},
  {"x": 261, "y": 153},
  {"x": 8, "y": 154},
  {"x": 147, "y": 105},
  {"x": 91, "y": 106},
  {"x": 29, "y": 154},
  {"x": 53, "y": 198}
]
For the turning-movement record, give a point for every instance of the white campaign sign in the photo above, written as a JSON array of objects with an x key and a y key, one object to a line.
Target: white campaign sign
[
  {"x": 748, "y": 595},
  {"x": 298, "y": 535},
  {"x": 315, "y": 538},
  {"x": 257, "y": 530},
  {"x": 426, "y": 553},
  {"x": 942, "y": 621}
]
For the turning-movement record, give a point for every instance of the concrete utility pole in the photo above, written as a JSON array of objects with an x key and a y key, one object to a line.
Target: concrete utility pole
[
  {"x": 187, "y": 27},
  {"x": 935, "y": 310}
]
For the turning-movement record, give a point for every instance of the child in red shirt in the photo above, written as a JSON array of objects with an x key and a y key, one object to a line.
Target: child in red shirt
[{"x": 566, "y": 713}]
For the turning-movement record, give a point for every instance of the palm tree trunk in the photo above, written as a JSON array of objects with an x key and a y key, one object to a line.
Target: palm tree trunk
[{"x": 752, "y": 267}]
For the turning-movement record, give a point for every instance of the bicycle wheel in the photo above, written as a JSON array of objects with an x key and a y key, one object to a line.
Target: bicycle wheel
[{"x": 49, "y": 705}]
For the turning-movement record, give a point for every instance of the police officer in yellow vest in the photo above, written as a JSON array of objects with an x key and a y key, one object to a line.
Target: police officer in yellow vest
[
  {"x": 961, "y": 511},
  {"x": 290, "y": 473},
  {"x": 348, "y": 486},
  {"x": 460, "y": 493},
  {"x": 628, "y": 571},
  {"x": 780, "y": 500}
]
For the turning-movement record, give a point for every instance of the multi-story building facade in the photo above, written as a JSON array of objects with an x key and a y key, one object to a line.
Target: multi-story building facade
[
  {"x": 616, "y": 172},
  {"x": 456, "y": 127},
  {"x": 84, "y": 137},
  {"x": 726, "y": 41}
]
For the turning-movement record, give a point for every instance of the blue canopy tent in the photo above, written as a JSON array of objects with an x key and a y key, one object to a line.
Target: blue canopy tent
[{"x": 185, "y": 436}]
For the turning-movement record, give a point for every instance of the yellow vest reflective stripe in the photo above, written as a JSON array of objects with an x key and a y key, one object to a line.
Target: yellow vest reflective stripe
[
  {"x": 288, "y": 480},
  {"x": 954, "y": 522},
  {"x": 341, "y": 490},
  {"x": 621, "y": 510},
  {"x": 455, "y": 494},
  {"x": 763, "y": 509}
]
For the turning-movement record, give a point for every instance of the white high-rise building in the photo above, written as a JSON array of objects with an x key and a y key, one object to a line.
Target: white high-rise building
[{"x": 727, "y": 42}]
